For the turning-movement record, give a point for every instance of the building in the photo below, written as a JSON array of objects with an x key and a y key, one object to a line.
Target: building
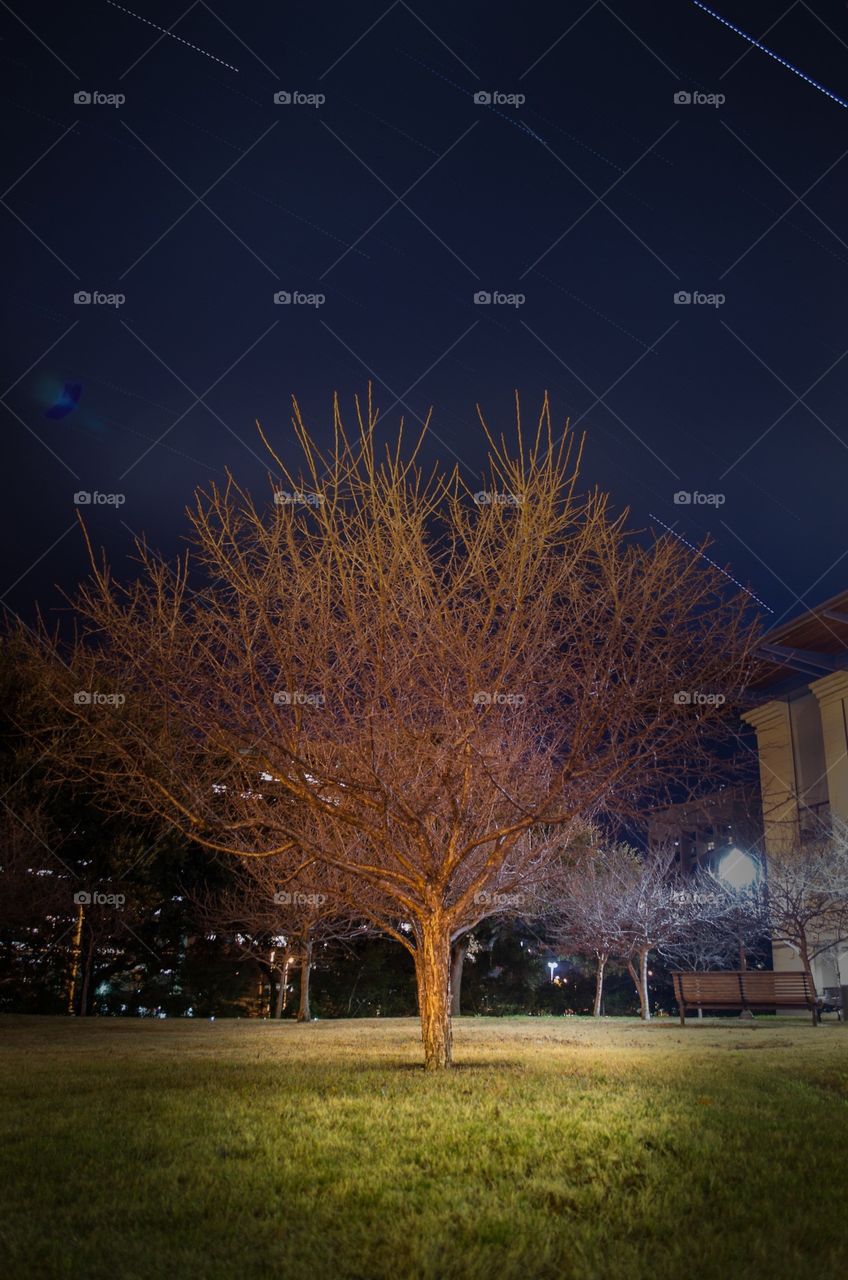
[
  {"x": 801, "y": 724},
  {"x": 701, "y": 829}
]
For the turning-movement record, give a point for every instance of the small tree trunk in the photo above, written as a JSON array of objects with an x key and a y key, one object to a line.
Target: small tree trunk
[
  {"x": 599, "y": 986},
  {"x": 73, "y": 972},
  {"x": 433, "y": 974},
  {"x": 808, "y": 969},
  {"x": 283, "y": 998},
  {"x": 640, "y": 982},
  {"x": 646, "y": 995},
  {"x": 458, "y": 953},
  {"x": 281, "y": 991},
  {"x": 303, "y": 1014},
  {"x": 86, "y": 977}
]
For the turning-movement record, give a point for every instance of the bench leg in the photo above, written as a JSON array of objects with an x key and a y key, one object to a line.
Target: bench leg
[{"x": 682, "y": 1016}]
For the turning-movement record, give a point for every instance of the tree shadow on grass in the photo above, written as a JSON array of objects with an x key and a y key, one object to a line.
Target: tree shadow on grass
[{"x": 473, "y": 1064}]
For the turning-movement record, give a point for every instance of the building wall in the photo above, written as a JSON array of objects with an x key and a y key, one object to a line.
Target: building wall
[{"x": 803, "y": 755}]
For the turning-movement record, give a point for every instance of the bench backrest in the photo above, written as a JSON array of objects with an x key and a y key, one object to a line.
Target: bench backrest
[{"x": 743, "y": 987}]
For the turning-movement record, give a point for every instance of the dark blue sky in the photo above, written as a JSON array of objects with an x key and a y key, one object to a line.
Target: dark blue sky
[{"x": 398, "y": 198}]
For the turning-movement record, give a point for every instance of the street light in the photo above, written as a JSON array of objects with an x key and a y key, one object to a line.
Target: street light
[
  {"x": 552, "y": 967},
  {"x": 738, "y": 869}
]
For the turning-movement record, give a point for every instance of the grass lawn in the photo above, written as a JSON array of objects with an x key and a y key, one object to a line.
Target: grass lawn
[{"x": 556, "y": 1148}]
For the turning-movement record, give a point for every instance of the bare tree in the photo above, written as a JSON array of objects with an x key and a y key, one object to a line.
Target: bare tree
[
  {"x": 617, "y": 902},
  {"x": 650, "y": 916},
  {"x": 704, "y": 938},
  {"x": 431, "y": 672},
  {"x": 716, "y": 925},
  {"x": 281, "y": 920},
  {"x": 806, "y": 892},
  {"x": 586, "y": 913}
]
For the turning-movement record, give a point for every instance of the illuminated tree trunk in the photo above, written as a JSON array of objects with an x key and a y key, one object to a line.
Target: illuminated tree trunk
[
  {"x": 433, "y": 973},
  {"x": 303, "y": 1014},
  {"x": 599, "y": 985},
  {"x": 804, "y": 955},
  {"x": 282, "y": 985},
  {"x": 458, "y": 953},
  {"x": 640, "y": 981},
  {"x": 75, "y": 957}
]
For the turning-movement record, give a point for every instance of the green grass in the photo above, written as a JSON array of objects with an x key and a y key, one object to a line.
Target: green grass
[{"x": 556, "y": 1148}]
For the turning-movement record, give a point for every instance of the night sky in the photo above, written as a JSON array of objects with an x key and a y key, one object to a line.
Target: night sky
[{"x": 398, "y": 198}]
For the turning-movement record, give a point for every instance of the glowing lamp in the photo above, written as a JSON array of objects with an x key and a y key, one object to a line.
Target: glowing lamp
[{"x": 738, "y": 869}]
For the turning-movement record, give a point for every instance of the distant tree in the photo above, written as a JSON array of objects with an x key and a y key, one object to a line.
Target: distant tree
[
  {"x": 433, "y": 672},
  {"x": 719, "y": 925},
  {"x": 650, "y": 918},
  {"x": 282, "y": 920},
  {"x": 587, "y": 913},
  {"x": 806, "y": 892}
]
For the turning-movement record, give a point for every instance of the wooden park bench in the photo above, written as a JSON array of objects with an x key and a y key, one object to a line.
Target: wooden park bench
[{"x": 747, "y": 989}]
